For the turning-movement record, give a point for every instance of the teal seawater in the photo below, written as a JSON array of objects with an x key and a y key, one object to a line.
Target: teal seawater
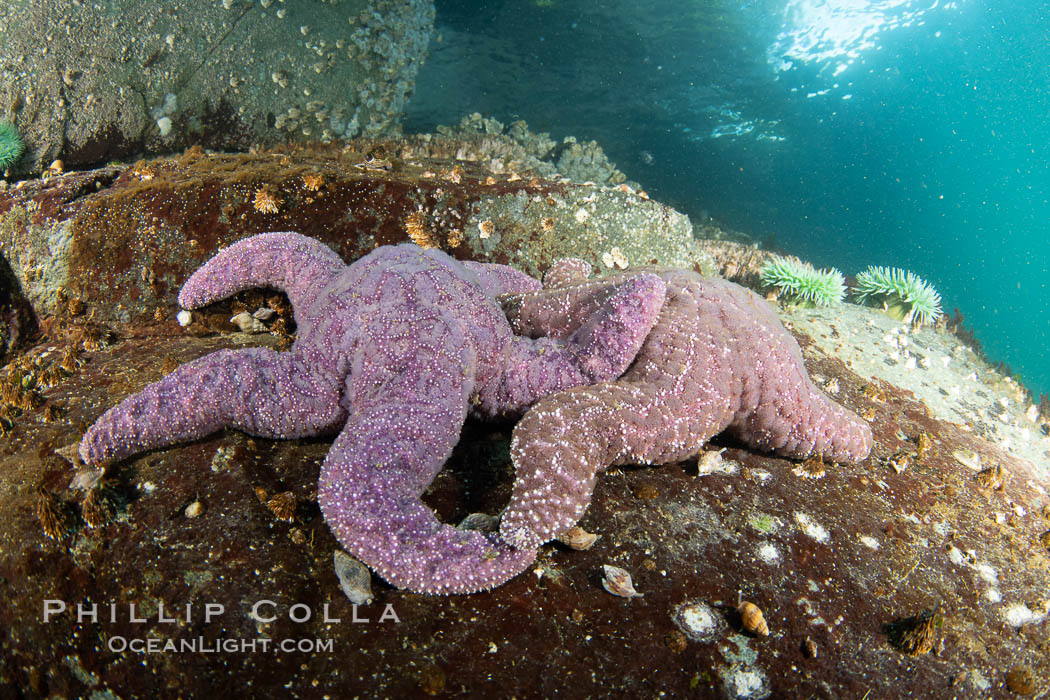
[{"x": 910, "y": 134}]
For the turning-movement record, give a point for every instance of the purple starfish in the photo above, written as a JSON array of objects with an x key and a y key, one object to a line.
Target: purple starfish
[
  {"x": 393, "y": 350},
  {"x": 717, "y": 359}
]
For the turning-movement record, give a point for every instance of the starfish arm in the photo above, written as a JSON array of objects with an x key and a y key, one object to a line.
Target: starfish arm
[
  {"x": 557, "y": 455},
  {"x": 795, "y": 419},
  {"x": 559, "y": 311},
  {"x": 297, "y": 265},
  {"x": 395, "y": 441},
  {"x": 501, "y": 279},
  {"x": 566, "y": 439},
  {"x": 718, "y": 358},
  {"x": 778, "y": 408},
  {"x": 566, "y": 271},
  {"x": 256, "y": 390},
  {"x": 601, "y": 348}
]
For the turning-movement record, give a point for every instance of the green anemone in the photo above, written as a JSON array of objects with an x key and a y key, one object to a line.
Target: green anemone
[
  {"x": 903, "y": 294},
  {"x": 800, "y": 282},
  {"x": 10, "y": 146}
]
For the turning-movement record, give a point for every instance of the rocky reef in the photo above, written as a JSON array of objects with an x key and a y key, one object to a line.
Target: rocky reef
[
  {"x": 86, "y": 83},
  {"x": 580, "y": 162},
  {"x": 920, "y": 570},
  {"x": 123, "y": 238}
]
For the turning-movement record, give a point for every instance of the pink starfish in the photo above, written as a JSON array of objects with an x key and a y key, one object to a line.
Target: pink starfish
[
  {"x": 717, "y": 359},
  {"x": 391, "y": 353}
]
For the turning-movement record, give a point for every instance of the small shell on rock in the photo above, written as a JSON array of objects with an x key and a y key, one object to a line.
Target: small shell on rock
[
  {"x": 354, "y": 578},
  {"x": 709, "y": 462},
  {"x": 194, "y": 510},
  {"x": 481, "y": 522},
  {"x": 676, "y": 641},
  {"x": 992, "y": 478},
  {"x": 264, "y": 314},
  {"x": 248, "y": 323},
  {"x": 71, "y": 453},
  {"x": 1021, "y": 680},
  {"x": 752, "y": 619},
  {"x": 900, "y": 461},
  {"x": 618, "y": 582},
  {"x": 969, "y": 458},
  {"x": 577, "y": 538},
  {"x": 184, "y": 318},
  {"x": 86, "y": 478}
]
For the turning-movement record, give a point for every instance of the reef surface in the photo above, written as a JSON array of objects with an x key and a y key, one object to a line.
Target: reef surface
[{"x": 920, "y": 570}]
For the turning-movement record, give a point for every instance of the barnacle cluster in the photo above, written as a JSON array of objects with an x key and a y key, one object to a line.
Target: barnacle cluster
[
  {"x": 923, "y": 443},
  {"x": 26, "y": 378},
  {"x": 427, "y": 229},
  {"x": 736, "y": 262},
  {"x": 419, "y": 232},
  {"x": 313, "y": 181},
  {"x": 615, "y": 259},
  {"x": 267, "y": 201},
  {"x": 385, "y": 44},
  {"x": 915, "y": 635},
  {"x": 50, "y": 514},
  {"x": 992, "y": 478},
  {"x": 283, "y": 505},
  {"x": 513, "y": 148},
  {"x": 875, "y": 392},
  {"x": 96, "y": 509},
  {"x": 811, "y": 468}
]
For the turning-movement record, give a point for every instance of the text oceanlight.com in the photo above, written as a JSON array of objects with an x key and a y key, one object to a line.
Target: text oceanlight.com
[{"x": 200, "y": 645}]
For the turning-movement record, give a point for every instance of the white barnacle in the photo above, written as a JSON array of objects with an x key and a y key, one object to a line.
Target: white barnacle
[{"x": 811, "y": 527}]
